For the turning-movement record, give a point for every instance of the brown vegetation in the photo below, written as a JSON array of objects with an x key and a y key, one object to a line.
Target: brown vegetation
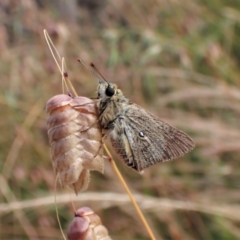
[{"x": 178, "y": 59}]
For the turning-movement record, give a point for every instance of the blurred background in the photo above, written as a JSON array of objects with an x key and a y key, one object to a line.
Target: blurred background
[{"x": 178, "y": 59}]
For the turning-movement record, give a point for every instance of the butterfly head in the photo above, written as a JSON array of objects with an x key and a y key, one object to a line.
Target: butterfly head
[{"x": 107, "y": 90}]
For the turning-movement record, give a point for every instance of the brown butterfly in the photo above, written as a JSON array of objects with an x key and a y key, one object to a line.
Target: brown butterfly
[{"x": 140, "y": 138}]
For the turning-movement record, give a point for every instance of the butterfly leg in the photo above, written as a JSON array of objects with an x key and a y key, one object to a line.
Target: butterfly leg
[
  {"x": 86, "y": 129},
  {"x": 104, "y": 137}
]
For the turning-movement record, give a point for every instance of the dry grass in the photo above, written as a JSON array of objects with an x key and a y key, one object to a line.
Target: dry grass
[{"x": 178, "y": 59}]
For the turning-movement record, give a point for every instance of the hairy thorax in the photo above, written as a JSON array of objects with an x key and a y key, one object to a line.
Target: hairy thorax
[{"x": 111, "y": 109}]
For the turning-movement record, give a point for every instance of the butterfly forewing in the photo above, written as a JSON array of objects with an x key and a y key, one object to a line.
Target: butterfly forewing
[{"x": 145, "y": 139}]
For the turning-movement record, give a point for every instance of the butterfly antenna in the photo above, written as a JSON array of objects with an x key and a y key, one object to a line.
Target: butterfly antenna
[{"x": 93, "y": 70}]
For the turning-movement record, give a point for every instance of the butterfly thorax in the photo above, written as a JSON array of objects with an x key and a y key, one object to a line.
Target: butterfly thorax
[{"x": 110, "y": 107}]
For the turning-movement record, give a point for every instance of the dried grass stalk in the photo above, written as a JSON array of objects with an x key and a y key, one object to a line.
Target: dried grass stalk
[
  {"x": 75, "y": 139},
  {"x": 87, "y": 226}
]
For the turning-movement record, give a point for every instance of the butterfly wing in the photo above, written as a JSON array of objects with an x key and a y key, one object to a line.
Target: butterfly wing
[{"x": 142, "y": 139}]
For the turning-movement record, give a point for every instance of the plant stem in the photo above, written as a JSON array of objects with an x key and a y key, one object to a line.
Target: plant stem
[{"x": 129, "y": 194}]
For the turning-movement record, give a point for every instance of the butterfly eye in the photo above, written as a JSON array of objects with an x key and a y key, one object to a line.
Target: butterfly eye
[{"x": 109, "y": 91}]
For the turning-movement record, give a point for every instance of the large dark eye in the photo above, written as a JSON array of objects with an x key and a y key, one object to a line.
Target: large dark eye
[{"x": 109, "y": 91}]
